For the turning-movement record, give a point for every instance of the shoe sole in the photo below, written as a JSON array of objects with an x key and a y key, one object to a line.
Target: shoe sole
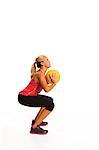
[
  {"x": 42, "y": 125},
  {"x": 38, "y": 133}
]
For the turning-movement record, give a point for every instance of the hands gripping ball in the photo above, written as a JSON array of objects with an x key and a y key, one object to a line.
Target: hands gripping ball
[{"x": 49, "y": 73}]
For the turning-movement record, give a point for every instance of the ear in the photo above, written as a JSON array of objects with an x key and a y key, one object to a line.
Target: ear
[{"x": 42, "y": 63}]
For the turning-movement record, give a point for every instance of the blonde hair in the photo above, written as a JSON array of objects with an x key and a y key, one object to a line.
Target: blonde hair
[{"x": 38, "y": 60}]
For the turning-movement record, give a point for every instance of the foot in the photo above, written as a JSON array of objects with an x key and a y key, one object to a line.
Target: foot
[
  {"x": 42, "y": 123},
  {"x": 38, "y": 130}
]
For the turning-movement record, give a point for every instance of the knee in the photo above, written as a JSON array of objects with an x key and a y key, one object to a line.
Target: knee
[{"x": 50, "y": 106}]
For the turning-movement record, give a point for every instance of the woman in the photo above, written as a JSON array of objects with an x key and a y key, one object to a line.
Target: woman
[{"x": 30, "y": 96}]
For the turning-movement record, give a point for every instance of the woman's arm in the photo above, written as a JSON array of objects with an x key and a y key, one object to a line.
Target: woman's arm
[{"x": 44, "y": 84}]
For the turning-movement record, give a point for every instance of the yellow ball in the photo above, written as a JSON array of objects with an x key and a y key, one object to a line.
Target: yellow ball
[{"x": 50, "y": 72}]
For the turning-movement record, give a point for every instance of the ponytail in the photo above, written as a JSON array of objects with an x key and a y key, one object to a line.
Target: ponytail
[
  {"x": 38, "y": 60},
  {"x": 33, "y": 69}
]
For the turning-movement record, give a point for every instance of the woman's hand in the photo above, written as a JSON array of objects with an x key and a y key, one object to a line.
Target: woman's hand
[
  {"x": 43, "y": 82},
  {"x": 53, "y": 77}
]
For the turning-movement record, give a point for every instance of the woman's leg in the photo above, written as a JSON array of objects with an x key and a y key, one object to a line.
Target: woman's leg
[
  {"x": 39, "y": 113},
  {"x": 42, "y": 116},
  {"x": 45, "y": 112},
  {"x": 38, "y": 101}
]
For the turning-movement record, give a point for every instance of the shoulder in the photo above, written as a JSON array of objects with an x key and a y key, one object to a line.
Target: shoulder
[{"x": 38, "y": 73}]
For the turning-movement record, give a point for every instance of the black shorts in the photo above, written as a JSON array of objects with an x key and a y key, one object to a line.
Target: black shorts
[{"x": 37, "y": 101}]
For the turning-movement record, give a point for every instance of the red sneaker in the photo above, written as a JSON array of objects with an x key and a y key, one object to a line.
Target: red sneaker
[
  {"x": 38, "y": 130},
  {"x": 42, "y": 123}
]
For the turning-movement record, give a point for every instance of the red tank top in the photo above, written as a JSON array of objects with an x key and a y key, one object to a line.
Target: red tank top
[{"x": 32, "y": 89}]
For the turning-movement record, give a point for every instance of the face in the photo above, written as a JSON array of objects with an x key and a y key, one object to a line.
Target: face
[{"x": 47, "y": 63}]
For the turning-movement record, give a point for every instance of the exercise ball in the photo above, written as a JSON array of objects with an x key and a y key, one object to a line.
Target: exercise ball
[{"x": 50, "y": 72}]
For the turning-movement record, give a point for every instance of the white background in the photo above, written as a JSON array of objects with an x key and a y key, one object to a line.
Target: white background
[{"x": 68, "y": 33}]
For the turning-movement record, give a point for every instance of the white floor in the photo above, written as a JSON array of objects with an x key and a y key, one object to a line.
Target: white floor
[{"x": 14, "y": 132}]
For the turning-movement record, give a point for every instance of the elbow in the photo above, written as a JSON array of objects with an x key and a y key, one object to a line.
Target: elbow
[{"x": 46, "y": 90}]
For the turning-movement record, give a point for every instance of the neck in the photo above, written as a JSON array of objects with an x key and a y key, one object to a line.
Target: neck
[{"x": 43, "y": 69}]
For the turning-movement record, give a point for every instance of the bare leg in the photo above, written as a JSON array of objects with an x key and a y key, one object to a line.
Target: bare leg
[
  {"x": 39, "y": 113},
  {"x": 42, "y": 116}
]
